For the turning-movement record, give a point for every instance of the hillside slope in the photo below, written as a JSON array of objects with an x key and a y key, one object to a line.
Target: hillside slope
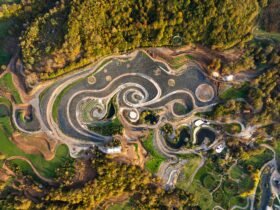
[{"x": 73, "y": 34}]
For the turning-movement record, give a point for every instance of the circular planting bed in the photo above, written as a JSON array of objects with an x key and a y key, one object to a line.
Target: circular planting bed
[
  {"x": 204, "y": 93},
  {"x": 230, "y": 187},
  {"x": 91, "y": 80},
  {"x": 209, "y": 182},
  {"x": 218, "y": 196},
  {"x": 180, "y": 109},
  {"x": 28, "y": 122}
]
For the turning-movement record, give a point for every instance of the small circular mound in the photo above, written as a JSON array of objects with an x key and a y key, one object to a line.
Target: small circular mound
[
  {"x": 171, "y": 82},
  {"x": 204, "y": 93},
  {"x": 133, "y": 115},
  {"x": 91, "y": 80},
  {"x": 108, "y": 78},
  {"x": 157, "y": 72}
]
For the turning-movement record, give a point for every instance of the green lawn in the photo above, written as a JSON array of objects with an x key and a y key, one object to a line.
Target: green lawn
[
  {"x": 6, "y": 102},
  {"x": 110, "y": 128},
  {"x": 155, "y": 158},
  {"x": 259, "y": 160},
  {"x": 187, "y": 172},
  {"x": 206, "y": 180},
  {"x": 46, "y": 168},
  {"x": 7, "y": 82},
  {"x": 241, "y": 173},
  {"x": 201, "y": 195},
  {"x": 236, "y": 172},
  {"x": 233, "y": 93}
]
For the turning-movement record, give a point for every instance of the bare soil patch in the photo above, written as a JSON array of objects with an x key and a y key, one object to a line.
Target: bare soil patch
[
  {"x": 4, "y": 176},
  {"x": 199, "y": 54},
  {"x": 132, "y": 153},
  {"x": 36, "y": 144}
]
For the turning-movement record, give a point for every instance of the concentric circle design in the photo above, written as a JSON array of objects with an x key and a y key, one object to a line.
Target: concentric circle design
[{"x": 205, "y": 93}]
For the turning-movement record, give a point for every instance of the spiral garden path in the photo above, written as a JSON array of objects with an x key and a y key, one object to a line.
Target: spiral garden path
[{"x": 134, "y": 82}]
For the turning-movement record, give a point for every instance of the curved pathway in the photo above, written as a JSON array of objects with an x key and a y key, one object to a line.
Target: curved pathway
[{"x": 49, "y": 181}]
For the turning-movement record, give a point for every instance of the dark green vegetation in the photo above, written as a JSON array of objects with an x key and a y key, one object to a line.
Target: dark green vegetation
[
  {"x": 155, "y": 158},
  {"x": 233, "y": 93},
  {"x": 259, "y": 102},
  {"x": 205, "y": 135},
  {"x": 177, "y": 138},
  {"x": 180, "y": 109},
  {"x": 149, "y": 117},
  {"x": 258, "y": 55},
  {"x": 144, "y": 190},
  {"x": 13, "y": 14},
  {"x": 72, "y": 33},
  {"x": 108, "y": 128}
]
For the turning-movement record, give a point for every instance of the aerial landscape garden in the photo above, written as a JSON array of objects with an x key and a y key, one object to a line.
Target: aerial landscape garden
[{"x": 140, "y": 104}]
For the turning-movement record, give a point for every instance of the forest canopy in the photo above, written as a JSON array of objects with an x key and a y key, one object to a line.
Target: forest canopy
[{"x": 73, "y": 34}]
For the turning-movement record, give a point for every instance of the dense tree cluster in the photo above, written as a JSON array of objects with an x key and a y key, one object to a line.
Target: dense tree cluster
[
  {"x": 270, "y": 17},
  {"x": 257, "y": 56},
  {"x": 71, "y": 34},
  {"x": 113, "y": 179},
  {"x": 264, "y": 96}
]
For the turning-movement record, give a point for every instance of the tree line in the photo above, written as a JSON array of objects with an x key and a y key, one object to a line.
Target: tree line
[{"x": 74, "y": 33}]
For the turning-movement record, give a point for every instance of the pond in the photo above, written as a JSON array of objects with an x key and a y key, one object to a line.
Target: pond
[{"x": 203, "y": 134}]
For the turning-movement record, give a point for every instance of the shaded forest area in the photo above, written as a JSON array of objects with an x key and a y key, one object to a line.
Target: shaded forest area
[{"x": 270, "y": 17}]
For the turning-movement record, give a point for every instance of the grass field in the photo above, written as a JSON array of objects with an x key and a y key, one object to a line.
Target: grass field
[
  {"x": 155, "y": 158},
  {"x": 187, "y": 172},
  {"x": 46, "y": 168},
  {"x": 233, "y": 93},
  {"x": 7, "y": 82},
  {"x": 206, "y": 180}
]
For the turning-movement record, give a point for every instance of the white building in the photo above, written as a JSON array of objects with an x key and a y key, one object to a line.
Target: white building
[
  {"x": 215, "y": 74},
  {"x": 198, "y": 123},
  {"x": 229, "y": 77},
  {"x": 220, "y": 148},
  {"x": 111, "y": 150}
]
